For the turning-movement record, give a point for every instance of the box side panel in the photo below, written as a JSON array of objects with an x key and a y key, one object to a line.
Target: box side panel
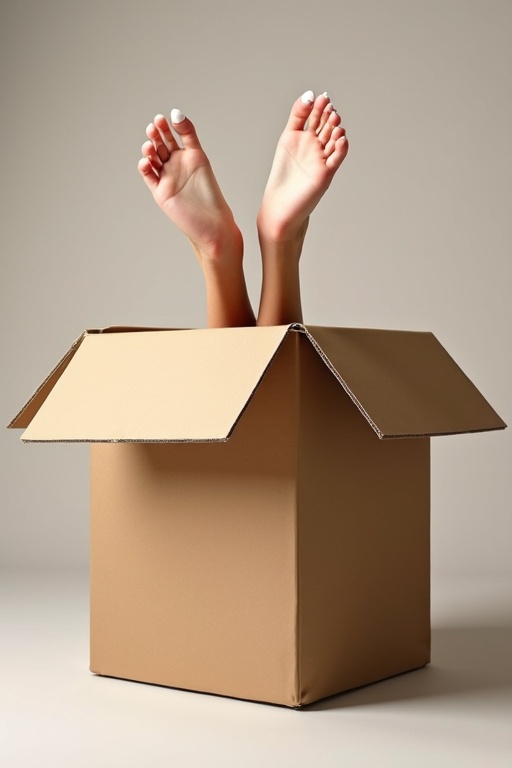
[
  {"x": 193, "y": 578},
  {"x": 364, "y": 544}
]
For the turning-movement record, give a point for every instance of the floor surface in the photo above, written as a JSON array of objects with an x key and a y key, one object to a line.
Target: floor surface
[{"x": 53, "y": 712}]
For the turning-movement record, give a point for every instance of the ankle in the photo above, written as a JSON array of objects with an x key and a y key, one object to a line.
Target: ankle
[
  {"x": 224, "y": 251},
  {"x": 281, "y": 233}
]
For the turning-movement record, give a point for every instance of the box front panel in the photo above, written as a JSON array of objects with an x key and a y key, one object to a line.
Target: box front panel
[
  {"x": 364, "y": 544},
  {"x": 193, "y": 580}
]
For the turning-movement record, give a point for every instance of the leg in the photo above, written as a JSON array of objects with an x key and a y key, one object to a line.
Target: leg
[
  {"x": 184, "y": 186},
  {"x": 306, "y": 159}
]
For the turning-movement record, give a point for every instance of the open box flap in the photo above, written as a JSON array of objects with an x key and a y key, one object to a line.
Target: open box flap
[
  {"x": 121, "y": 385},
  {"x": 403, "y": 382},
  {"x": 31, "y": 407},
  {"x": 156, "y": 386}
]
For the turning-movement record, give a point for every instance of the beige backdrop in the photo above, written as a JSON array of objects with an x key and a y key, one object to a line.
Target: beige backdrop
[{"x": 414, "y": 233}]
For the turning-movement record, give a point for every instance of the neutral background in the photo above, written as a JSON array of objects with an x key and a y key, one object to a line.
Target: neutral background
[{"x": 415, "y": 233}]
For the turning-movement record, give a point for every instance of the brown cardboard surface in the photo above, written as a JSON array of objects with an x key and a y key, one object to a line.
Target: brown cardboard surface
[
  {"x": 29, "y": 410},
  {"x": 193, "y": 576},
  {"x": 156, "y": 386},
  {"x": 290, "y": 562},
  {"x": 171, "y": 386},
  {"x": 363, "y": 544},
  {"x": 404, "y": 382}
]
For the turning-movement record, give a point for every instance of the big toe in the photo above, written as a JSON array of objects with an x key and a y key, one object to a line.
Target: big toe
[
  {"x": 185, "y": 129},
  {"x": 301, "y": 110}
]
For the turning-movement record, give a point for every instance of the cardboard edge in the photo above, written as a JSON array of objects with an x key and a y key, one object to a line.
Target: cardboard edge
[
  {"x": 409, "y": 436},
  {"x": 66, "y": 359},
  {"x": 502, "y": 425},
  {"x": 284, "y": 702},
  {"x": 339, "y": 378},
  {"x": 160, "y": 441},
  {"x": 258, "y": 382},
  {"x": 136, "y": 329},
  {"x": 35, "y": 402},
  {"x": 394, "y": 436},
  {"x": 53, "y": 377},
  {"x": 297, "y": 692}
]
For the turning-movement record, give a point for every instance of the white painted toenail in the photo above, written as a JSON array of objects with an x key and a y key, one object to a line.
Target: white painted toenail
[
  {"x": 308, "y": 97},
  {"x": 177, "y": 116}
]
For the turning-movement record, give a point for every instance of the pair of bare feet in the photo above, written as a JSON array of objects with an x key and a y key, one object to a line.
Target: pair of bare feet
[{"x": 310, "y": 150}]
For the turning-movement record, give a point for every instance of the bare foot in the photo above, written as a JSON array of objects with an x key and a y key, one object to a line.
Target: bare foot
[
  {"x": 183, "y": 184},
  {"x": 311, "y": 149}
]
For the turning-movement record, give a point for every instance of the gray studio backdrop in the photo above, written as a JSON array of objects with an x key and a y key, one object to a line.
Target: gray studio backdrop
[{"x": 413, "y": 234}]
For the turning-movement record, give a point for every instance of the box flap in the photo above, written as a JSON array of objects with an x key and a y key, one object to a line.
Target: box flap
[
  {"x": 29, "y": 410},
  {"x": 169, "y": 385},
  {"x": 157, "y": 386},
  {"x": 31, "y": 407},
  {"x": 403, "y": 382}
]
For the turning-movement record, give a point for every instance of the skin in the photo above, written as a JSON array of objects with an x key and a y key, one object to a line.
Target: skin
[{"x": 309, "y": 152}]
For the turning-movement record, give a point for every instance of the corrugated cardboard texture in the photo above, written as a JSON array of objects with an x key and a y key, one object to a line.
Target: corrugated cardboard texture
[
  {"x": 363, "y": 535},
  {"x": 170, "y": 386},
  {"x": 405, "y": 382},
  {"x": 193, "y": 578}
]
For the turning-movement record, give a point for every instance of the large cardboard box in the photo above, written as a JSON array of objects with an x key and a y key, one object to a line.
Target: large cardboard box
[{"x": 259, "y": 500}]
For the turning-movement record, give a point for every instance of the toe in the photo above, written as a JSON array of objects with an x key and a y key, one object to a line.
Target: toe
[
  {"x": 301, "y": 110},
  {"x": 336, "y": 134},
  {"x": 338, "y": 154},
  {"x": 325, "y": 116},
  {"x": 317, "y": 111},
  {"x": 324, "y": 134},
  {"x": 184, "y": 127},
  {"x": 148, "y": 150},
  {"x": 154, "y": 135},
  {"x": 163, "y": 126},
  {"x": 148, "y": 173}
]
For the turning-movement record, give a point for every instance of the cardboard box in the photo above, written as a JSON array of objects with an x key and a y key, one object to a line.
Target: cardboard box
[{"x": 258, "y": 530}]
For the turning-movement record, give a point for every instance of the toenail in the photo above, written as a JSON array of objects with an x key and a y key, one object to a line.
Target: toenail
[
  {"x": 308, "y": 97},
  {"x": 177, "y": 116}
]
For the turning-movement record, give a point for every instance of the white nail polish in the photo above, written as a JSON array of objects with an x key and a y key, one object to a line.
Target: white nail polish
[
  {"x": 177, "y": 116},
  {"x": 308, "y": 97},
  {"x": 325, "y": 94}
]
